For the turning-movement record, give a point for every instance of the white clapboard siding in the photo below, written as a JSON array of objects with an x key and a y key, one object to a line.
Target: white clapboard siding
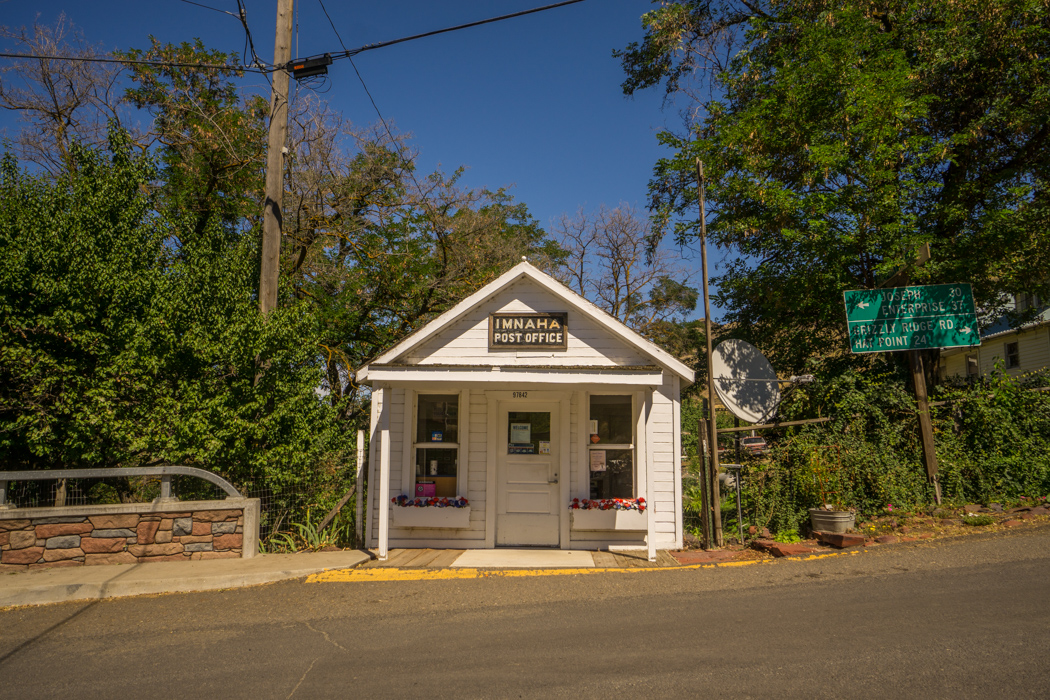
[
  {"x": 396, "y": 399},
  {"x": 467, "y": 341},
  {"x": 460, "y": 338},
  {"x": 661, "y": 418},
  {"x": 473, "y": 487},
  {"x": 1033, "y": 349},
  {"x": 955, "y": 365}
]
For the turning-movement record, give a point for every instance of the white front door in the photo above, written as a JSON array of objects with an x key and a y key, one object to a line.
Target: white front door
[{"x": 528, "y": 474}]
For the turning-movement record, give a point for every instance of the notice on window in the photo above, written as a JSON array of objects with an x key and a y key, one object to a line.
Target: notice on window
[
  {"x": 598, "y": 460},
  {"x": 520, "y": 433},
  {"x": 545, "y": 447}
]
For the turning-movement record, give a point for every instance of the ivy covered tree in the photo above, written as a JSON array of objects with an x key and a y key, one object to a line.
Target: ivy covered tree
[
  {"x": 839, "y": 137},
  {"x": 117, "y": 353}
]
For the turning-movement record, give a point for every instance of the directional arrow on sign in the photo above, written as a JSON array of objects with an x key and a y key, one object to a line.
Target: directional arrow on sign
[{"x": 911, "y": 318}]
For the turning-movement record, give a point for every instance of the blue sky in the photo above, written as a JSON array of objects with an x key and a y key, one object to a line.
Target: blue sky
[{"x": 533, "y": 103}]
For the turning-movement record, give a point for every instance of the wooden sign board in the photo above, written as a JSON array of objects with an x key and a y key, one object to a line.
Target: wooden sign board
[{"x": 529, "y": 331}]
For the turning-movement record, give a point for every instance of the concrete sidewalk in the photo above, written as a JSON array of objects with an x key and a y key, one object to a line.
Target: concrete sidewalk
[{"x": 96, "y": 582}]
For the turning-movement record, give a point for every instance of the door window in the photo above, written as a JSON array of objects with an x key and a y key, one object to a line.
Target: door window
[{"x": 528, "y": 432}]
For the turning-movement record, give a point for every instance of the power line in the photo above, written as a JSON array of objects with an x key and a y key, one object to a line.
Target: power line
[
  {"x": 209, "y": 7},
  {"x": 138, "y": 62},
  {"x": 382, "y": 44},
  {"x": 242, "y": 15},
  {"x": 325, "y": 10},
  {"x": 262, "y": 66}
]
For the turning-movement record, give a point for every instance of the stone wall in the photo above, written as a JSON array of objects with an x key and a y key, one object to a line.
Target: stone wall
[{"x": 34, "y": 538}]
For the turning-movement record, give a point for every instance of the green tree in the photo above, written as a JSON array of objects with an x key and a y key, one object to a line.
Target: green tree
[
  {"x": 209, "y": 139},
  {"x": 117, "y": 353},
  {"x": 840, "y": 137},
  {"x": 375, "y": 250}
]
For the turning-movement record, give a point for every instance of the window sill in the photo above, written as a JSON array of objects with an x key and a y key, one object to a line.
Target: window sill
[
  {"x": 432, "y": 516},
  {"x": 609, "y": 520}
]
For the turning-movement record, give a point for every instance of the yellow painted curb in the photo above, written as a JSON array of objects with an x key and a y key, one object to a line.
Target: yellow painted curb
[{"x": 395, "y": 574}]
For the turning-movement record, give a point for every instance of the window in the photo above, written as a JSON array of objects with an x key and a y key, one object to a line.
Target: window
[
  {"x": 972, "y": 368},
  {"x": 528, "y": 433},
  {"x": 1013, "y": 356},
  {"x": 611, "y": 447},
  {"x": 1025, "y": 301},
  {"x": 437, "y": 445}
]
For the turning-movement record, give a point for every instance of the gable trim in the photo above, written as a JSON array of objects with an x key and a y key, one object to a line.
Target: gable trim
[{"x": 523, "y": 270}]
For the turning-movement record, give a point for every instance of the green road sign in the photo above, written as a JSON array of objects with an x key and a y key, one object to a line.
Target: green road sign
[{"x": 911, "y": 318}]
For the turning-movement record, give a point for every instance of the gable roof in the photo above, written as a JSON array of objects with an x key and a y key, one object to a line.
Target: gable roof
[{"x": 525, "y": 270}]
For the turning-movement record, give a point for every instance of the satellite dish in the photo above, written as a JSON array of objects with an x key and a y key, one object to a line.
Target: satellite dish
[{"x": 745, "y": 381}]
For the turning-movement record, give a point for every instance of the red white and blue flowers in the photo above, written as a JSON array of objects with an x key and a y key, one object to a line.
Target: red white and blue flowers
[
  {"x": 430, "y": 502},
  {"x": 608, "y": 504}
]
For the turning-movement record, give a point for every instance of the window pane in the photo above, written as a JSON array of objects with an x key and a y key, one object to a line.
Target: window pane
[
  {"x": 1013, "y": 356},
  {"x": 613, "y": 418},
  {"x": 436, "y": 471},
  {"x": 528, "y": 432},
  {"x": 616, "y": 479},
  {"x": 437, "y": 418}
]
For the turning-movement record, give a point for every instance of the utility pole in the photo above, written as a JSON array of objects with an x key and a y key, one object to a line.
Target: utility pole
[
  {"x": 271, "y": 243},
  {"x": 712, "y": 423}
]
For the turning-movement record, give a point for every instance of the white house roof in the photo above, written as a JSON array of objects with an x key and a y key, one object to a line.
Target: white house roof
[{"x": 525, "y": 270}]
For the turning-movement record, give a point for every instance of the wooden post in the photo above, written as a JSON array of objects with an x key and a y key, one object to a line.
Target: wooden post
[
  {"x": 716, "y": 507},
  {"x": 929, "y": 453},
  {"x": 359, "y": 483},
  {"x": 271, "y": 242},
  {"x": 705, "y": 507},
  {"x": 384, "y": 471}
]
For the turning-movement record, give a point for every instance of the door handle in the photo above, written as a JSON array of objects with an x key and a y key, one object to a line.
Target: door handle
[{"x": 553, "y": 481}]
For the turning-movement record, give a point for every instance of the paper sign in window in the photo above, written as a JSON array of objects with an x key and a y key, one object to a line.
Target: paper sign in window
[
  {"x": 520, "y": 433},
  {"x": 597, "y": 460}
]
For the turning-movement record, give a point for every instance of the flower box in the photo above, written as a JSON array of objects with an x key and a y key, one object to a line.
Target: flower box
[
  {"x": 609, "y": 520},
  {"x": 430, "y": 516}
]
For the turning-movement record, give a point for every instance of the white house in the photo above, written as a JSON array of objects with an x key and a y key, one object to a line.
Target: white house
[
  {"x": 1021, "y": 350},
  {"x": 520, "y": 399}
]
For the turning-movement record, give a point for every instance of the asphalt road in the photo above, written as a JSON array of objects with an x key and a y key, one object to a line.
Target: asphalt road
[{"x": 949, "y": 619}]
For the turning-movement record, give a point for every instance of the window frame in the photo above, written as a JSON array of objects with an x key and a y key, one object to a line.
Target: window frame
[
  {"x": 976, "y": 364},
  {"x": 636, "y": 489},
  {"x": 1013, "y": 359},
  {"x": 412, "y": 445}
]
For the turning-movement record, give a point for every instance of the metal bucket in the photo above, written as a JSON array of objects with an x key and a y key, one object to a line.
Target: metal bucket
[{"x": 836, "y": 521}]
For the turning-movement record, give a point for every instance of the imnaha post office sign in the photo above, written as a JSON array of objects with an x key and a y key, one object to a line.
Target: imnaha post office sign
[{"x": 529, "y": 331}]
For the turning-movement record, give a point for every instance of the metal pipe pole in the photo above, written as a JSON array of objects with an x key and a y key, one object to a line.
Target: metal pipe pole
[
  {"x": 271, "y": 242},
  {"x": 739, "y": 507},
  {"x": 716, "y": 508}
]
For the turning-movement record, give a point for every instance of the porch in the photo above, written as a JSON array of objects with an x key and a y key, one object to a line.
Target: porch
[{"x": 500, "y": 558}]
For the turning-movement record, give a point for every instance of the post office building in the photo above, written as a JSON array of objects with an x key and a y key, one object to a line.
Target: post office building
[{"x": 525, "y": 416}]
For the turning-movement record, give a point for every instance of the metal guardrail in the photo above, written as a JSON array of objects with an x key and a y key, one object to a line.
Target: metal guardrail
[{"x": 165, "y": 474}]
